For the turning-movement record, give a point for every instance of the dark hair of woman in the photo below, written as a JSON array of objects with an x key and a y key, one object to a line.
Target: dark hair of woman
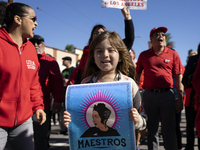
[
  {"x": 15, "y": 9},
  {"x": 103, "y": 111},
  {"x": 3, "y": 6},
  {"x": 98, "y": 26}
]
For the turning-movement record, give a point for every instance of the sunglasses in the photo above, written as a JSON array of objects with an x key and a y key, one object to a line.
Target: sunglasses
[{"x": 34, "y": 19}]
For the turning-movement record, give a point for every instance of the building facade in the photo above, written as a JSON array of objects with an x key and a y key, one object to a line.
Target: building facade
[{"x": 59, "y": 54}]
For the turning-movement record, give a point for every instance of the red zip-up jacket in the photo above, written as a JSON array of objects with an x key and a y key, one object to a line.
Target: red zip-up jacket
[
  {"x": 20, "y": 91},
  {"x": 51, "y": 80}
]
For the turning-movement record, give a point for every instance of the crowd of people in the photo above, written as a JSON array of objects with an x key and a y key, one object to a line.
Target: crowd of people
[{"x": 30, "y": 81}]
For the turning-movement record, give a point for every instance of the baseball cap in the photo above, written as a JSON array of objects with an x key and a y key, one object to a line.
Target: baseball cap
[
  {"x": 164, "y": 29},
  {"x": 67, "y": 58},
  {"x": 36, "y": 38}
]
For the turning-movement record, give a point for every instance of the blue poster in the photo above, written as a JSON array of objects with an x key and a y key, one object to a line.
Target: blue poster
[{"x": 100, "y": 116}]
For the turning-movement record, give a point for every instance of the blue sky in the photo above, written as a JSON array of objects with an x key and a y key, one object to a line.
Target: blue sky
[{"x": 63, "y": 22}]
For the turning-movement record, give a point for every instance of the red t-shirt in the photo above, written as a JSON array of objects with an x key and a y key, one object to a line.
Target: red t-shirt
[{"x": 159, "y": 69}]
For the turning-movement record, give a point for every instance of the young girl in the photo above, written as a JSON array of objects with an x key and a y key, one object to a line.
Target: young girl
[
  {"x": 109, "y": 61},
  {"x": 20, "y": 93},
  {"x": 76, "y": 77}
]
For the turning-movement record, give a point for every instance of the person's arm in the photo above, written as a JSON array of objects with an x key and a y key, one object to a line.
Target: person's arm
[
  {"x": 134, "y": 64},
  {"x": 56, "y": 81},
  {"x": 81, "y": 65},
  {"x": 139, "y": 119},
  {"x": 196, "y": 78},
  {"x": 36, "y": 99},
  {"x": 136, "y": 112},
  {"x": 139, "y": 69},
  {"x": 129, "y": 28},
  {"x": 126, "y": 13},
  {"x": 65, "y": 81},
  {"x": 137, "y": 78},
  {"x": 71, "y": 71},
  {"x": 41, "y": 116},
  {"x": 134, "y": 115},
  {"x": 72, "y": 78},
  {"x": 180, "y": 89},
  {"x": 36, "y": 94},
  {"x": 189, "y": 72}
]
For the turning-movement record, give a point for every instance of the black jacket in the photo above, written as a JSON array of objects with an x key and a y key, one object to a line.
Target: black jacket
[{"x": 189, "y": 71}]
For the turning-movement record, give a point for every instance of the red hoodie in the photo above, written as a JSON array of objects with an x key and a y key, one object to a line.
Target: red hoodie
[
  {"x": 50, "y": 80},
  {"x": 20, "y": 91}
]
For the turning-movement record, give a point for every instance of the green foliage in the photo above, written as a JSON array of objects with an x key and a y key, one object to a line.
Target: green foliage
[
  {"x": 168, "y": 42},
  {"x": 70, "y": 47}
]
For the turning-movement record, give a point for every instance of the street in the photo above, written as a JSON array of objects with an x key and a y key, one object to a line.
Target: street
[{"x": 61, "y": 142}]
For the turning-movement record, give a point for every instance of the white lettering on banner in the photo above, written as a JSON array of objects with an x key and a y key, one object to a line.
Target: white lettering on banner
[
  {"x": 30, "y": 64},
  {"x": 131, "y": 4}
]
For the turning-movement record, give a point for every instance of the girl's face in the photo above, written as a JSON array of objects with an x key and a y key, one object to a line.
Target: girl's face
[
  {"x": 106, "y": 57},
  {"x": 97, "y": 119},
  {"x": 28, "y": 23},
  {"x": 97, "y": 32}
]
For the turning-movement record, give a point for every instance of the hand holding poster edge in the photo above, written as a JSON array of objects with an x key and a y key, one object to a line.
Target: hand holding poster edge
[
  {"x": 137, "y": 5},
  {"x": 93, "y": 98}
]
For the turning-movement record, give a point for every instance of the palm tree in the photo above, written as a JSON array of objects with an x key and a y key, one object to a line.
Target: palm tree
[{"x": 168, "y": 42}]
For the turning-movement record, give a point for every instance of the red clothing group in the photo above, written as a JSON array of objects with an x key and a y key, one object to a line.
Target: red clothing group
[{"x": 159, "y": 68}]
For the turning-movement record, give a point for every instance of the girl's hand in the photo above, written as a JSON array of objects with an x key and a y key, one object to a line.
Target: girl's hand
[
  {"x": 134, "y": 115},
  {"x": 66, "y": 118}
]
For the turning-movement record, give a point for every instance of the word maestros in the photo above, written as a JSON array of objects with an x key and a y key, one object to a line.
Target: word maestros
[
  {"x": 138, "y": 3},
  {"x": 101, "y": 142}
]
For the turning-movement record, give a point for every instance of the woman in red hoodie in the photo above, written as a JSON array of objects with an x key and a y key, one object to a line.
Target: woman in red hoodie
[{"x": 20, "y": 93}]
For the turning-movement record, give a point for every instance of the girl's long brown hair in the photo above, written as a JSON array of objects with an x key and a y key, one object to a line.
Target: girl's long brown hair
[{"x": 125, "y": 66}]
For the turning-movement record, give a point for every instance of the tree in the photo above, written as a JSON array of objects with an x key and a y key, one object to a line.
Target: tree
[
  {"x": 168, "y": 42},
  {"x": 70, "y": 47},
  {"x": 10, "y": 1}
]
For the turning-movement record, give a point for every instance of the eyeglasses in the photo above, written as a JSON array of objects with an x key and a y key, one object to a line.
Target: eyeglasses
[
  {"x": 34, "y": 19},
  {"x": 38, "y": 42}
]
